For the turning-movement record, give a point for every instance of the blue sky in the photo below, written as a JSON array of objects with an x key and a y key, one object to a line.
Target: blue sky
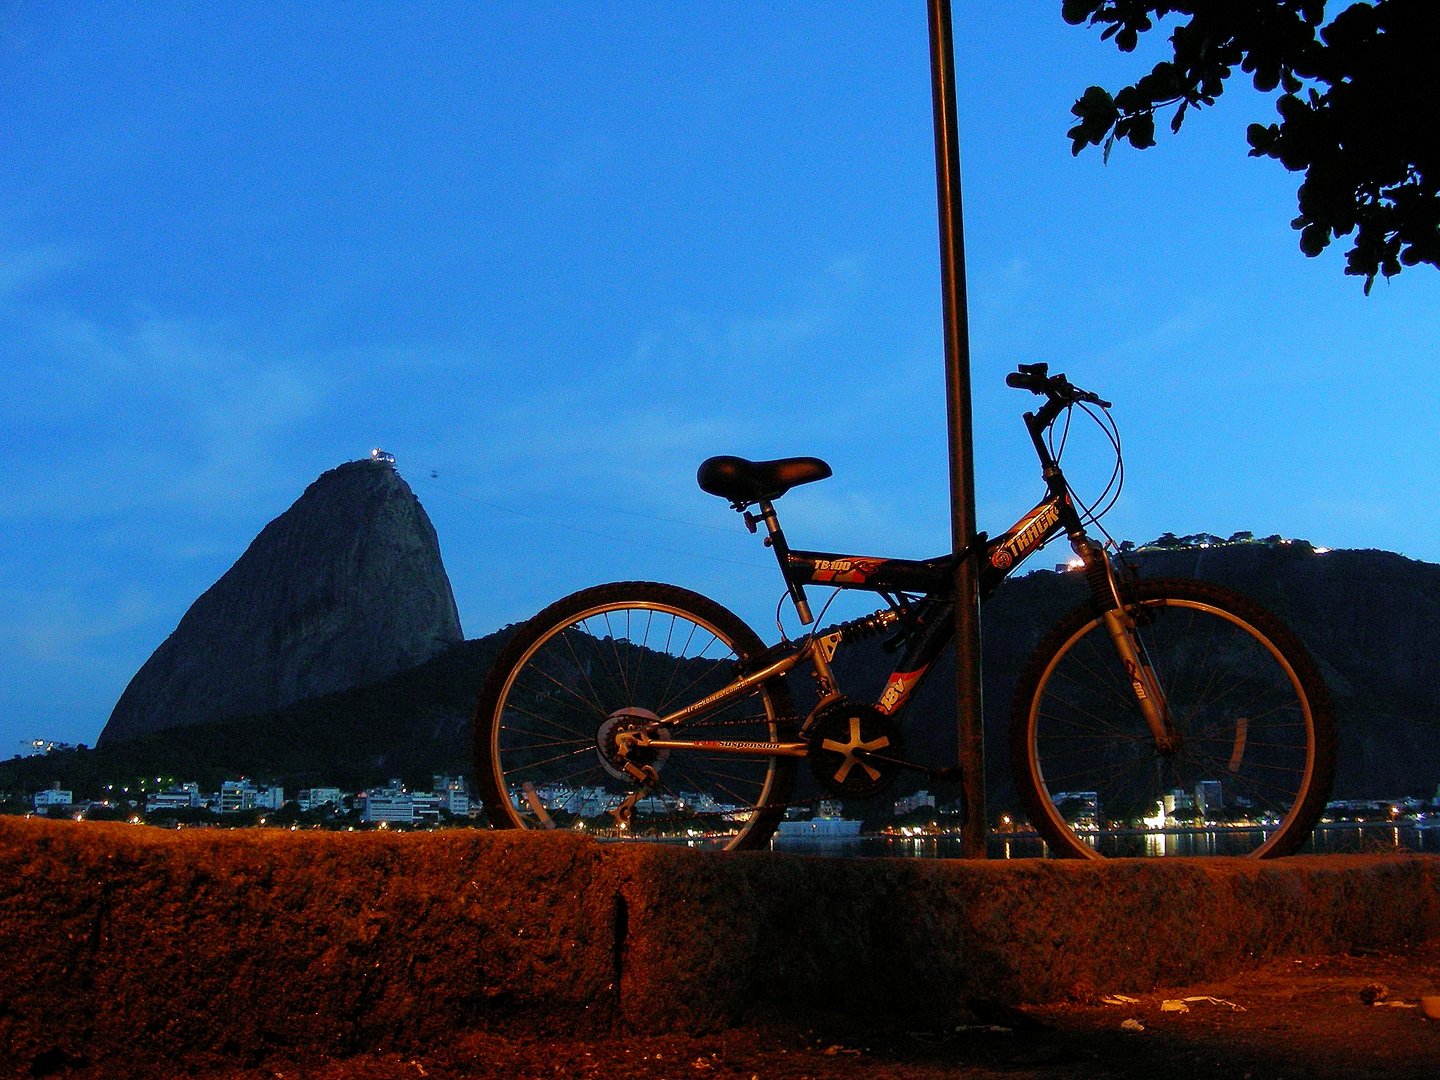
[{"x": 552, "y": 255}]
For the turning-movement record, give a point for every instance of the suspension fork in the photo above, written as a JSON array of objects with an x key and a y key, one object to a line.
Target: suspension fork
[{"x": 1120, "y": 625}]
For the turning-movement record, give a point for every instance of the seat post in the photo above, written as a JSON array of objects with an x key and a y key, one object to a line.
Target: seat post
[{"x": 775, "y": 540}]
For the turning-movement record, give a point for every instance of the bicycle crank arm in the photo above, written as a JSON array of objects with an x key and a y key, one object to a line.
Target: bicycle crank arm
[{"x": 945, "y": 774}]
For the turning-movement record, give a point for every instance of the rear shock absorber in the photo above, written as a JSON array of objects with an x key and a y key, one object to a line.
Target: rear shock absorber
[
  {"x": 824, "y": 643},
  {"x": 877, "y": 622}
]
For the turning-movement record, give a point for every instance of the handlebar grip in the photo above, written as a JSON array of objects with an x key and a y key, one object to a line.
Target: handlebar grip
[
  {"x": 1037, "y": 379},
  {"x": 1033, "y": 377}
]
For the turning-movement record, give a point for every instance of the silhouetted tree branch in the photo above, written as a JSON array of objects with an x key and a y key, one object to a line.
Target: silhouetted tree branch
[{"x": 1359, "y": 108}]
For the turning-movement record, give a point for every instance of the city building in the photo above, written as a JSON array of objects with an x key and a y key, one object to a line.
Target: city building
[
  {"x": 1080, "y": 807},
  {"x": 1209, "y": 797},
  {"x": 391, "y": 804},
  {"x": 51, "y": 798},
  {"x": 243, "y": 794},
  {"x": 180, "y": 797},
  {"x": 395, "y": 804},
  {"x": 456, "y": 799},
  {"x": 319, "y": 797},
  {"x": 914, "y": 802}
]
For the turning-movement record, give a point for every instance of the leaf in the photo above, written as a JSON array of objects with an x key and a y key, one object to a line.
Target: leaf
[
  {"x": 1096, "y": 104},
  {"x": 1097, "y": 113},
  {"x": 1314, "y": 238},
  {"x": 1076, "y": 12},
  {"x": 1289, "y": 107},
  {"x": 1267, "y": 78},
  {"x": 1261, "y": 138},
  {"x": 1142, "y": 131}
]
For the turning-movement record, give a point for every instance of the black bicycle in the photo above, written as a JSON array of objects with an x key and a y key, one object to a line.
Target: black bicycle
[{"x": 643, "y": 711}]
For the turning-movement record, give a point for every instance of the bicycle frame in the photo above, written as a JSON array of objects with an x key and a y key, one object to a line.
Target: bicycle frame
[
  {"x": 921, "y": 603},
  {"x": 927, "y": 618},
  {"x": 575, "y": 702}
]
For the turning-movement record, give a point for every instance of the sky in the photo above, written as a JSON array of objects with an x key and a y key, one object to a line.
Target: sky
[{"x": 553, "y": 255}]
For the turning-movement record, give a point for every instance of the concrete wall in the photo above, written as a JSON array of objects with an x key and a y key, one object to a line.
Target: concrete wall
[{"x": 208, "y": 941}]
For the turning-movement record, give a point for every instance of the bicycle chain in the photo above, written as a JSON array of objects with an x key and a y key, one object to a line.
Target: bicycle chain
[{"x": 803, "y": 804}]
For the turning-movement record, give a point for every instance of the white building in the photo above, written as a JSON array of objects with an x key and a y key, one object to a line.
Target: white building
[
  {"x": 52, "y": 797},
  {"x": 1083, "y": 806},
  {"x": 425, "y": 807},
  {"x": 238, "y": 795},
  {"x": 390, "y": 804},
  {"x": 319, "y": 797},
  {"x": 393, "y": 803},
  {"x": 183, "y": 797},
  {"x": 1209, "y": 796},
  {"x": 454, "y": 797},
  {"x": 914, "y": 802}
]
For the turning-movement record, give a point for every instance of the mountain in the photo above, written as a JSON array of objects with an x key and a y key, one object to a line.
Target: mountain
[
  {"x": 1372, "y": 621},
  {"x": 346, "y": 588},
  {"x": 1370, "y": 618}
]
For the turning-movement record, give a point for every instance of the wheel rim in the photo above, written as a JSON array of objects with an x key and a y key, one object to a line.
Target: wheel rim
[
  {"x": 1246, "y": 740},
  {"x": 614, "y": 667}
]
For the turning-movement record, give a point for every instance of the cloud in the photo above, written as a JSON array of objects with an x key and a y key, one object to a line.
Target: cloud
[
  {"x": 60, "y": 625},
  {"x": 20, "y": 268},
  {"x": 160, "y": 413}
]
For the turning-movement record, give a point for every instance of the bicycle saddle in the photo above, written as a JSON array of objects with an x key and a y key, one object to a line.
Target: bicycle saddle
[{"x": 745, "y": 482}]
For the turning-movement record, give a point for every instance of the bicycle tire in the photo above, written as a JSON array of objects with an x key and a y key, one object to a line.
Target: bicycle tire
[
  {"x": 1249, "y": 705},
  {"x": 553, "y": 697}
]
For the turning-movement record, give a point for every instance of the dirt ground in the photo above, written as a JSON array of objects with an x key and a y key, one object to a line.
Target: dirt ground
[{"x": 1353, "y": 1017}]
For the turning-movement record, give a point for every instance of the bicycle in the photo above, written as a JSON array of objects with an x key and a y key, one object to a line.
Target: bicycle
[{"x": 645, "y": 711}]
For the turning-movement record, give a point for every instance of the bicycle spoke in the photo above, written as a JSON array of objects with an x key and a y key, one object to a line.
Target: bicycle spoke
[
  {"x": 1241, "y": 739},
  {"x": 573, "y": 731}
]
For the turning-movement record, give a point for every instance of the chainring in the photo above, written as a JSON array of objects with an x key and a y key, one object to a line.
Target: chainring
[{"x": 842, "y": 738}]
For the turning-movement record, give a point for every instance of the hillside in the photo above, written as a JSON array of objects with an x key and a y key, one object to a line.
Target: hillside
[{"x": 1371, "y": 618}]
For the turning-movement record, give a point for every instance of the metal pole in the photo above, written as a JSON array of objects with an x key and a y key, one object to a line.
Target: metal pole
[{"x": 957, "y": 401}]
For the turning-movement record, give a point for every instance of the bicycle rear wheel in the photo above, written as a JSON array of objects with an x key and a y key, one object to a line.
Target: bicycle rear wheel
[
  {"x": 1255, "y": 738},
  {"x": 608, "y": 659}
]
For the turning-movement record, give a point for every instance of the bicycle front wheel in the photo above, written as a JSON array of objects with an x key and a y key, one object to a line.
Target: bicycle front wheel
[
  {"x": 616, "y": 658},
  {"x": 1251, "y": 750}
]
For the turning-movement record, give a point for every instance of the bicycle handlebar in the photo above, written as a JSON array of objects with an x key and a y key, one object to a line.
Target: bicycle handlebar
[{"x": 1037, "y": 379}]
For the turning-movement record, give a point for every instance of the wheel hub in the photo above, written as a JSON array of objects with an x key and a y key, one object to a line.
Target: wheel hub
[{"x": 613, "y": 755}]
